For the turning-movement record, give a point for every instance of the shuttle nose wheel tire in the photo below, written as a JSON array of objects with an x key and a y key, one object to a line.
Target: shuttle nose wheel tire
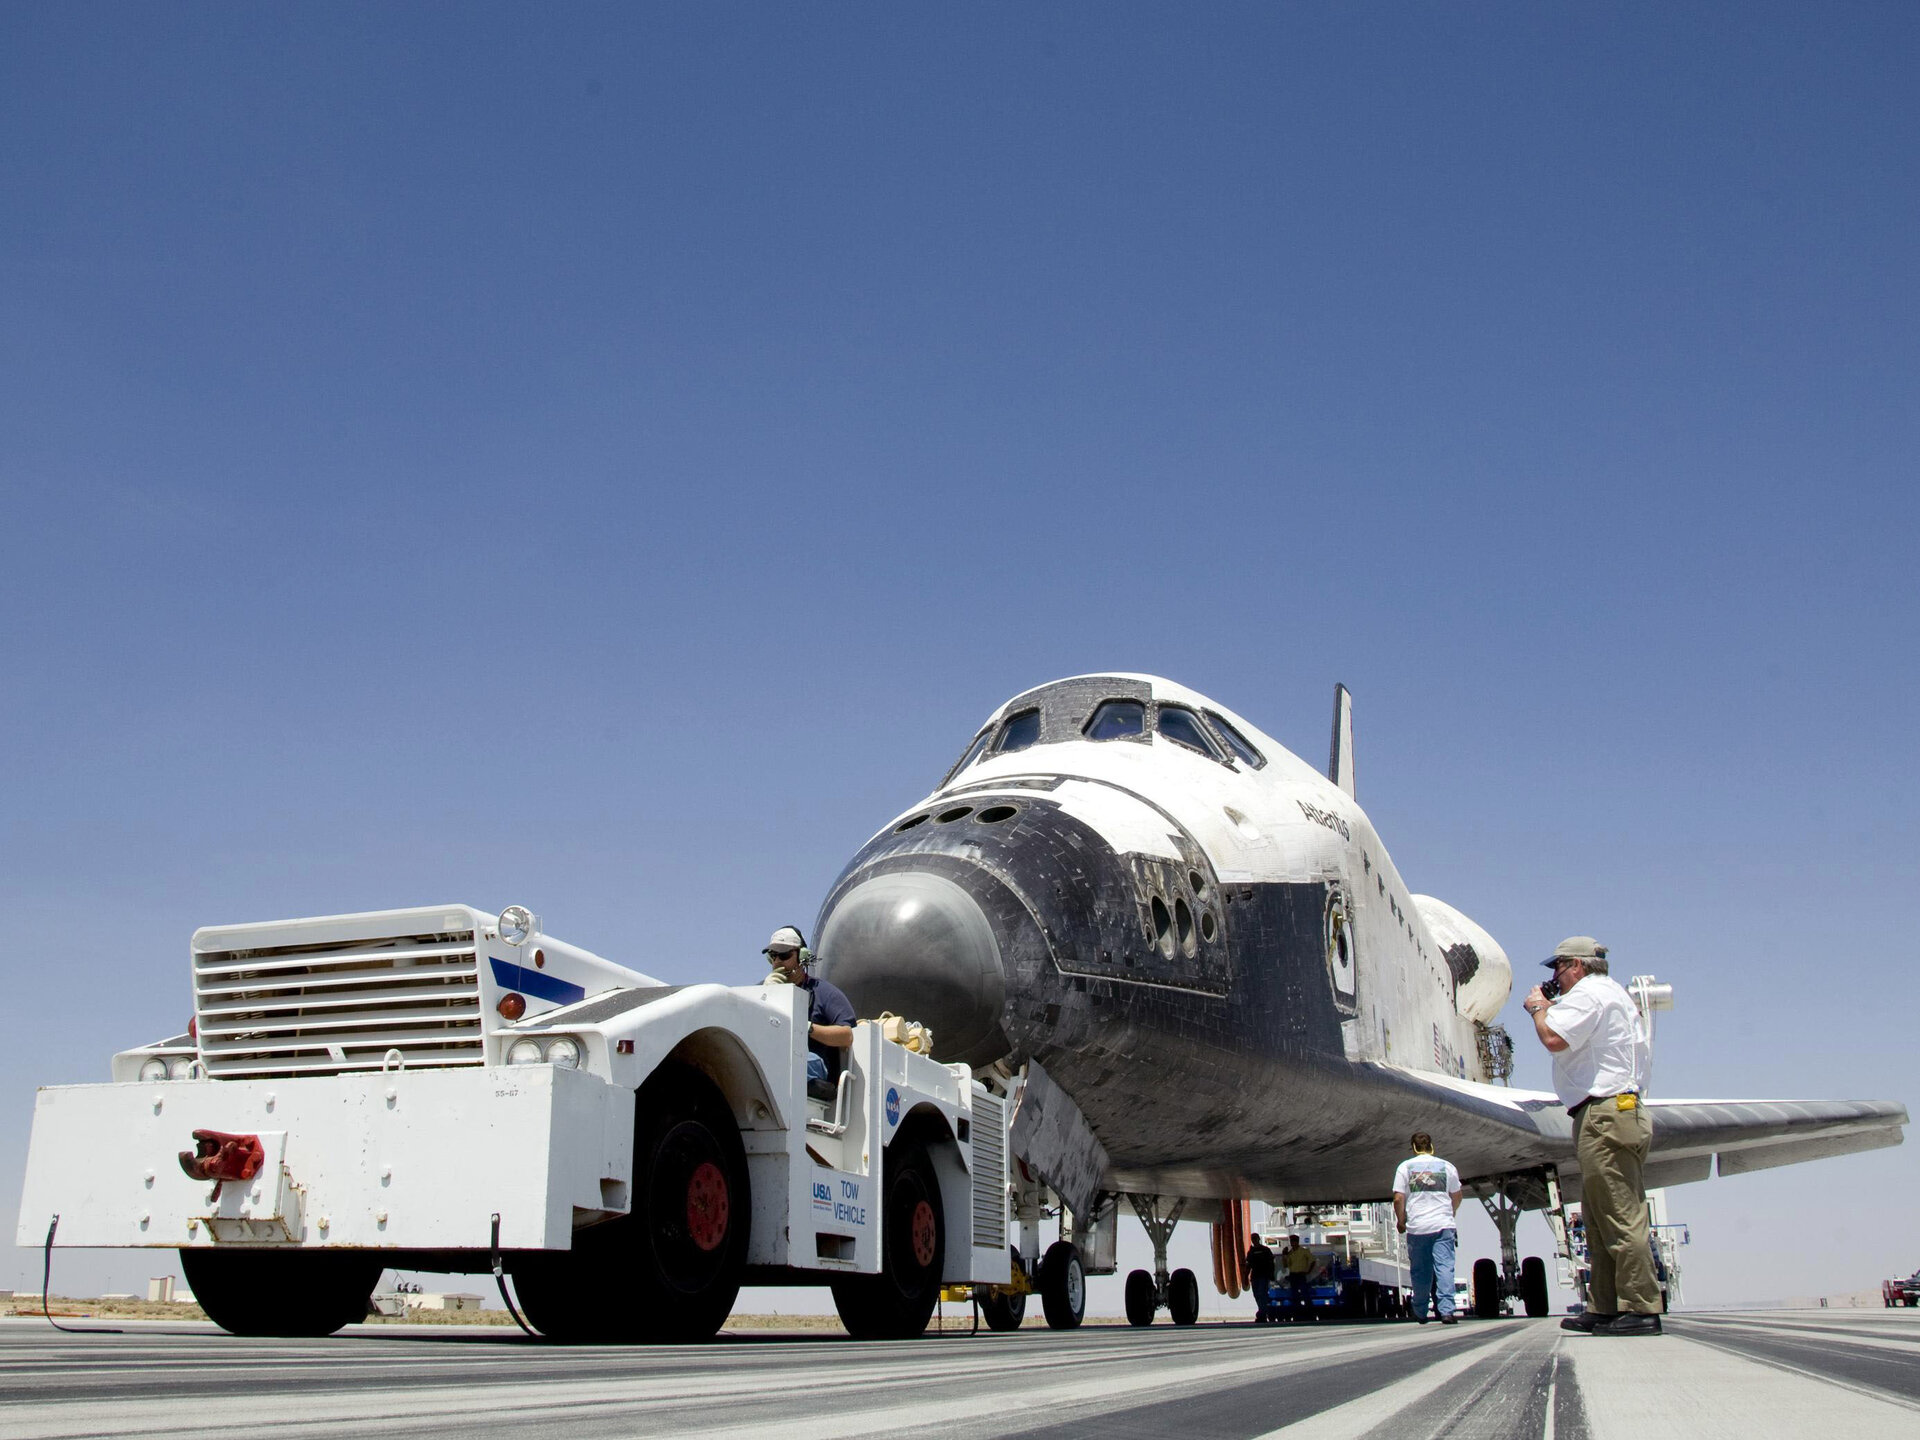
[
  {"x": 1183, "y": 1297},
  {"x": 252, "y": 1292},
  {"x": 1003, "y": 1312},
  {"x": 1141, "y": 1301},
  {"x": 1533, "y": 1285},
  {"x": 897, "y": 1303},
  {"x": 1005, "y": 1309},
  {"x": 670, "y": 1271},
  {"x": 1063, "y": 1286}
]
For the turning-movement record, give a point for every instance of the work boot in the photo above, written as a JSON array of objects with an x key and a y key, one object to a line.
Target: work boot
[
  {"x": 1449, "y": 1319},
  {"x": 1587, "y": 1322},
  {"x": 1627, "y": 1322}
]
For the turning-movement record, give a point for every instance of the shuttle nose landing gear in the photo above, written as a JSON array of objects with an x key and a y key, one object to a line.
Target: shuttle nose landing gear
[
  {"x": 1063, "y": 1285},
  {"x": 1180, "y": 1291}
]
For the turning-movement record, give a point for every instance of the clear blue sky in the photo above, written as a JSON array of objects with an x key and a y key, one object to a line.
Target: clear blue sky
[{"x": 611, "y": 459}]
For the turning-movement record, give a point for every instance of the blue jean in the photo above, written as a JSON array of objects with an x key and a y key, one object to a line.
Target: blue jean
[
  {"x": 816, "y": 1066},
  {"x": 1432, "y": 1259}
]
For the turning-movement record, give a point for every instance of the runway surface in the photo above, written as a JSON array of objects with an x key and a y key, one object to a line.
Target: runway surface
[{"x": 1745, "y": 1374}]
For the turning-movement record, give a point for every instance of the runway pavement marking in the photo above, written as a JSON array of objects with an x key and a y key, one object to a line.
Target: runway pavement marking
[
  {"x": 1018, "y": 1410},
  {"x": 824, "y": 1396},
  {"x": 1367, "y": 1412},
  {"x": 1800, "y": 1333},
  {"x": 1648, "y": 1388},
  {"x": 1848, "y": 1349}
]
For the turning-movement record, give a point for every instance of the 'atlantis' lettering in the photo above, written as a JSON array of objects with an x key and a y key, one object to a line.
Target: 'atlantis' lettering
[{"x": 1325, "y": 817}]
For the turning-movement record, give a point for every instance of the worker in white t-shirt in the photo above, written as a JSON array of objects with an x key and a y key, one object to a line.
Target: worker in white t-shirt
[{"x": 1426, "y": 1196}]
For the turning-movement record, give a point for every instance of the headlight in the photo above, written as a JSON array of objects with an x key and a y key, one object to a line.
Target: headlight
[
  {"x": 565, "y": 1052},
  {"x": 524, "y": 1052},
  {"x": 181, "y": 1067},
  {"x": 516, "y": 923},
  {"x": 154, "y": 1069}
]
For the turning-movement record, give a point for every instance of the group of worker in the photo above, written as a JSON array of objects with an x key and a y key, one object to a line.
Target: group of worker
[
  {"x": 1297, "y": 1263},
  {"x": 1590, "y": 1026}
]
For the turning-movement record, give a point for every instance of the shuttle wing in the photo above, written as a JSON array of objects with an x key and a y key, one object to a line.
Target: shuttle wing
[{"x": 1497, "y": 1130}]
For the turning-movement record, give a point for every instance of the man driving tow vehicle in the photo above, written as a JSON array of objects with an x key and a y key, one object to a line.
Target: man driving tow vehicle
[{"x": 829, "y": 1013}]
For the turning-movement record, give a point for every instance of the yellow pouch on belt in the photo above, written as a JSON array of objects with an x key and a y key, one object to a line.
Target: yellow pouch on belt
[{"x": 1626, "y": 1102}]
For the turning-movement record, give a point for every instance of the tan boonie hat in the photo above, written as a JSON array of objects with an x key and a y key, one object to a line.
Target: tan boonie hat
[
  {"x": 785, "y": 938},
  {"x": 1576, "y": 947}
]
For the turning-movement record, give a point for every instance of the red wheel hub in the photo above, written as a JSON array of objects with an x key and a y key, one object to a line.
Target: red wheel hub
[
  {"x": 923, "y": 1234},
  {"x": 707, "y": 1206}
]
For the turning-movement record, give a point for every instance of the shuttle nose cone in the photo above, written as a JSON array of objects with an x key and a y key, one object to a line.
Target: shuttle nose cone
[{"x": 918, "y": 945}]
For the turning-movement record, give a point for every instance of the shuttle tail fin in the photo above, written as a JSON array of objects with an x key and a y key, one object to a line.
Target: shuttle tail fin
[{"x": 1340, "y": 754}]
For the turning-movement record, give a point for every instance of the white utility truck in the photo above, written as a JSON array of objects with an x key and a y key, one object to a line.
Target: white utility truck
[{"x": 442, "y": 1089}]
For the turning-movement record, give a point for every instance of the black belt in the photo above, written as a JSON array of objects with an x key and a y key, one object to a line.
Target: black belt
[{"x": 1576, "y": 1109}]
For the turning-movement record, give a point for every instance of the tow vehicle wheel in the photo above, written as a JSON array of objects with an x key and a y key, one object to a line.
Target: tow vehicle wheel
[
  {"x": 897, "y": 1303},
  {"x": 1183, "y": 1297},
  {"x": 669, "y": 1271},
  {"x": 1141, "y": 1302},
  {"x": 1486, "y": 1290},
  {"x": 1063, "y": 1286},
  {"x": 1533, "y": 1285},
  {"x": 269, "y": 1292}
]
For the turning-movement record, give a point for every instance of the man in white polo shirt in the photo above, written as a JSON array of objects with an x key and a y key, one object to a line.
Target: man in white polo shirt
[
  {"x": 1426, "y": 1196},
  {"x": 1600, "y": 1060}
]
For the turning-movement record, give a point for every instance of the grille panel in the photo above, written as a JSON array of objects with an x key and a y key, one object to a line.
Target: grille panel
[
  {"x": 326, "y": 1009},
  {"x": 989, "y": 1171}
]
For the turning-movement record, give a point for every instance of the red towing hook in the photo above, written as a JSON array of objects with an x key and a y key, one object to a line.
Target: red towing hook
[{"x": 221, "y": 1157}]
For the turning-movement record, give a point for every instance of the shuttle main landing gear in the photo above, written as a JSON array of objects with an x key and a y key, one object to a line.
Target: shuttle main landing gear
[
  {"x": 1514, "y": 1279},
  {"x": 1180, "y": 1291}
]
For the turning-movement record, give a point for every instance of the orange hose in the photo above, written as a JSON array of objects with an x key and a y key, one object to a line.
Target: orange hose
[{"x": 1232, "y": 1238}]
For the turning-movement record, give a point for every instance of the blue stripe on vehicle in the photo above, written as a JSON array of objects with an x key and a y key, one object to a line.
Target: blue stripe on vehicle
[{"x": 532, "y": 982}]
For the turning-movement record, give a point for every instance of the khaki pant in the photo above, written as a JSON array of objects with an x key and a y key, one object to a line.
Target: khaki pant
[{"x": 1611, "y": 1147}]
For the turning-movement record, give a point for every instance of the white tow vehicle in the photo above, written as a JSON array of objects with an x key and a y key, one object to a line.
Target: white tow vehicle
[{"x": 433, "y": 1089}]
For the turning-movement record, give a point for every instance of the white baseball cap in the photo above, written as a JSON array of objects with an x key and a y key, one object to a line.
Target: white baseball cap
[{"x": 785, "y": 938}]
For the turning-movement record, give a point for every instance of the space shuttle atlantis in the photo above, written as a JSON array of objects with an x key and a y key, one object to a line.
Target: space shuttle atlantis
[{"x": 1201, "y": 945}]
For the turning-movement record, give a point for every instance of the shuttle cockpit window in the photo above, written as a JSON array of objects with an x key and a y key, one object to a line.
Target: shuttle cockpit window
[
  {"x": 974, "y": 752},
  {"x": 1237, "y": 743},
  {"x": 1116, "y": 719},
  {"x": 1019, "y": 732},
  {"x": 1183, "y": 728}
]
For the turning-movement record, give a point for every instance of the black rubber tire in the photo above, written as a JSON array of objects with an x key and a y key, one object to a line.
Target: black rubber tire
[
  {"x": 1063, "y": 1286},
  {"x": 1008, "y": 1309},
  {"x": 1533, "y": 1286},
  {"x": 1370, "y": 1299},
  {"x": 668, "y": 1272},
  {"x": 1003, "y": 1312},
  {"x": 897, "y": 1303},
  {"x": 300, "y": 1293},
  {"x": 1183, "y": 1297},
  {"x": 1141, "y": 1302},
  {"x": 1486, "y": 1290}
]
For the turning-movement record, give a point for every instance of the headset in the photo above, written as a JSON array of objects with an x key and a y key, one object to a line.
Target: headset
[{"x": 806, "y": 956}]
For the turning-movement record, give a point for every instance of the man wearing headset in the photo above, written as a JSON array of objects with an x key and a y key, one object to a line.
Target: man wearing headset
[{"x": 829, "y": 1013}]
